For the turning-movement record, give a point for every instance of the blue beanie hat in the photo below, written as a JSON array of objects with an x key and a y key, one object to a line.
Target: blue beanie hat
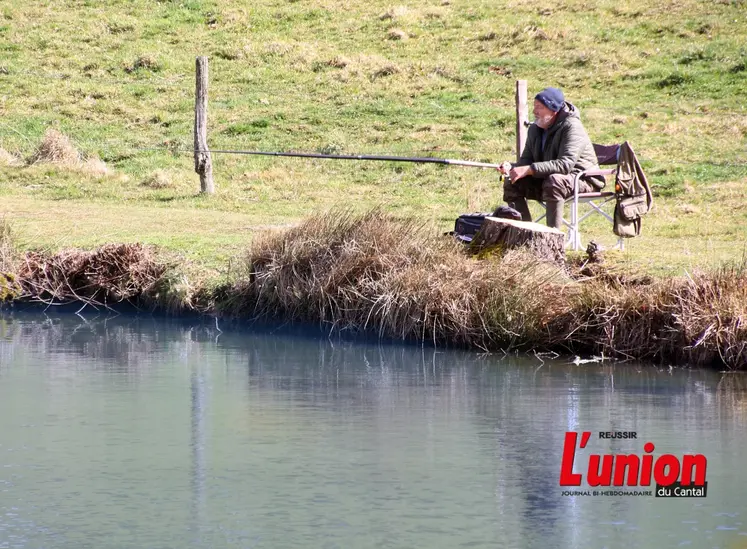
[{"x": 552, "y": 98}]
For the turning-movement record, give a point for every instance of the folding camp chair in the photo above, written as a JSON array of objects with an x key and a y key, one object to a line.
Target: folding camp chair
[{"x": 607, "y": 155}]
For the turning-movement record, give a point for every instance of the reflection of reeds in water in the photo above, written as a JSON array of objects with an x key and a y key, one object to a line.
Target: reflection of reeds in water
[
  {"x": 732, "y": 394},
  {"x": 127, "y": 344},
  {"x": 295, "y": 368}
]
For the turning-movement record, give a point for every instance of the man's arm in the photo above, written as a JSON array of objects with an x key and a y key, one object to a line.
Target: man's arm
[{"x": 520, "y": 169}]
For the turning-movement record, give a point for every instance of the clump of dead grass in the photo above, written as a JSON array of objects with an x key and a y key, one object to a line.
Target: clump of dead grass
[
  {"x": 397, "y": 34},
  {"x": 279, "y": 49},
  {"x": 394, "y": 13},
  {"x": 95, "y": 166},
  {"x": 615, "y": 319},
  {"x": 339, "y": 62},
  {"x": 56, "y": 148},
  {"x": 9, "y": 287},
  {"x": 159, "y": 179},
  {"x": 111, "y": 274},
  {"x": 7, "y": 247},
  {"x": 386, "y": 69},
  {"x": 8, "y": 159},
  {"x": 374, "y": 272},
  {"x": 144, "y": 62},
  {"x": 299, "y": 56},
  {"x": 711, "y": 312},
  {"x": 364, "y": 67}
]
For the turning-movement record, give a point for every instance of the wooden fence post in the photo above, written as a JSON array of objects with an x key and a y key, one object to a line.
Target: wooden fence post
[
  {"x": 522, "y": 116},
  {"x": 203, "y": 162}
]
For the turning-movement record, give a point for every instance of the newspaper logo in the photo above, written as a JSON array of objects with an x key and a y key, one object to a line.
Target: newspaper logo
[{"x": 666, "y": 475}]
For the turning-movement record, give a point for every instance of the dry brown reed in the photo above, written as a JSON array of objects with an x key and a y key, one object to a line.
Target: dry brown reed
[
  {"x": 373, "y": 272},
  {"x": 627, "y": 321},
  {"x": 111, "y": 274},
  {"x": 711, "y": 312},
  {"x": 696, "y": 320}
]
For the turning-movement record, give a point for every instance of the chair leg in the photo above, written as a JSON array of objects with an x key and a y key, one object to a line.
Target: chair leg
[
  {"x": 575, "y": 236},
  {"x": 544, "y": 209},
  {"x": 576, "y": 239}
]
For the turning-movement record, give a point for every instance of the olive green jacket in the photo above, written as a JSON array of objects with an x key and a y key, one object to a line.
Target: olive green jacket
[{"x": 568, "y": 149}]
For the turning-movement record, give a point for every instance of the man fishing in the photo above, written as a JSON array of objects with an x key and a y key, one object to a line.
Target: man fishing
[{"x": 556, "y": 149}]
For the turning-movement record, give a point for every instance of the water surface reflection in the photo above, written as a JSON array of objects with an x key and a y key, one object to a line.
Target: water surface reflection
[{"x": 136, "y": 432}]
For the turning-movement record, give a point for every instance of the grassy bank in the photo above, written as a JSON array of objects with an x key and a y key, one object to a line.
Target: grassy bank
[
  {"x": 377, "y": 274},
  {"x": 436, "y": 78}
]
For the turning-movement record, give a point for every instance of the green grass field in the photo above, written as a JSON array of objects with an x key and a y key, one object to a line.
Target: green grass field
[{"x": 414, "y": 79}]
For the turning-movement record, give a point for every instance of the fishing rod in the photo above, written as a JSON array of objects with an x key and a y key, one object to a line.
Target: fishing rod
[{"x": 427, "y": 159}]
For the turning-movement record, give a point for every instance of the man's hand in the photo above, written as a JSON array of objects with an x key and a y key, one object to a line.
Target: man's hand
[
  {"x": 505, "y": 167},
  {"x": 518, "y": 172}
]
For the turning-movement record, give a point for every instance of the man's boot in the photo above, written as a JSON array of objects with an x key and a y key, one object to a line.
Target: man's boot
[
  {"x": 521, "y": 206},
  {"x": 554, "y": 213}
]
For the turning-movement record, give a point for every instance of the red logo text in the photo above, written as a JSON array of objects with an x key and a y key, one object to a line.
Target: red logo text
[{"x": 631, "y": 469}]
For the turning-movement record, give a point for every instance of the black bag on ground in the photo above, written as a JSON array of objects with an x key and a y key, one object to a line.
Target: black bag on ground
[{"x": 467, "y": 225}]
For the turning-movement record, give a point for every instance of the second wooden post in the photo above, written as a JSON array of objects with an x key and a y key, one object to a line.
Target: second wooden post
[
  {"x": 203, "y": 161},
  {"x": 522, "y": 116}
]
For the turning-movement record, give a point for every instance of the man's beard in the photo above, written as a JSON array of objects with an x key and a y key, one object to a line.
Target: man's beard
[{"x": 544, "y": 121}]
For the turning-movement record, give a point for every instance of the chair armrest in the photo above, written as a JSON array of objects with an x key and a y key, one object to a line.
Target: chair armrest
[{"x": 590, "y": 173}]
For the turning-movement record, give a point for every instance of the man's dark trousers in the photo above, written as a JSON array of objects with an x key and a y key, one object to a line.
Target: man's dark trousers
[{"x": 552, "y": 190}]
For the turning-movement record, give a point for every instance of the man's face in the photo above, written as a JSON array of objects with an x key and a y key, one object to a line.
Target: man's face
[{"x": 543, "y": 116}]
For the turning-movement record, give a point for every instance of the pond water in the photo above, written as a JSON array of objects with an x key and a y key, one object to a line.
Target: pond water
[{"x": 134, "y": 432}]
